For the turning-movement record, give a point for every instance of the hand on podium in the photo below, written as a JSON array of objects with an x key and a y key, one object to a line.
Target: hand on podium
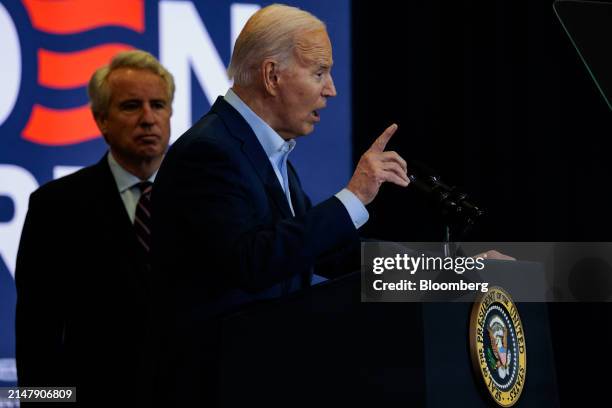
[{"x": 493, "y": 254}]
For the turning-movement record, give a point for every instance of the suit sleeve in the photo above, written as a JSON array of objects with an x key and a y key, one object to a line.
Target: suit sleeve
[
  {"x": 343, "y": 260},
  {"x": 39, "y": 321}
]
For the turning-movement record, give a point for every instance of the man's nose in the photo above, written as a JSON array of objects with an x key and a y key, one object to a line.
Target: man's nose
[
  {"x": 330, "y": 89},
  {"x": 148, "y": 117}
]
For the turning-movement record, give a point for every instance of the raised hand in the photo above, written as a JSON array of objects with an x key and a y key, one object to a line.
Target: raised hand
[{"x": 376, "y": 166}]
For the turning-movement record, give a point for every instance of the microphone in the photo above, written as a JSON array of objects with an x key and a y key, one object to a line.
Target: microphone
[{"x": 453, "y": 203}]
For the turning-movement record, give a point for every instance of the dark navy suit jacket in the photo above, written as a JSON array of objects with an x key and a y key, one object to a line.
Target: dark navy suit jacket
[
  {"x": 82, "y": 292},
  {"x": 224, "y": 236}
]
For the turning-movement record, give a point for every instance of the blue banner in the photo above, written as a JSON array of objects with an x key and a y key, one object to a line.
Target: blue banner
[{"x": 50, "y": 49}]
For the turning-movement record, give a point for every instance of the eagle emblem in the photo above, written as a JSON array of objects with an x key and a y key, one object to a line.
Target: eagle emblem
[{"x": 498, "y": 355}]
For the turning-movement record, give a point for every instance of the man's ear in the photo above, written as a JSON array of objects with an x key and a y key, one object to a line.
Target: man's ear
[
  {"x": 102, "y": 122},
  {"x": 270, "y": 71}
]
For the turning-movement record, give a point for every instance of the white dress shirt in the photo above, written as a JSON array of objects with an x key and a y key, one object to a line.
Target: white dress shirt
[{"x": 127, "y": 184}]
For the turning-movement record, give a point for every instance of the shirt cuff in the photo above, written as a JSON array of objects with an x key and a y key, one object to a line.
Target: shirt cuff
[{"x": 357, "y": 211}]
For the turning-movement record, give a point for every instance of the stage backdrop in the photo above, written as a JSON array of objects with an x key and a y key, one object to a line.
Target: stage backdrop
[{"x": 49, "y": 49}]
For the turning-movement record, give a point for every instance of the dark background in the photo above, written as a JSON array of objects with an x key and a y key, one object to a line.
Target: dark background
[{"x": 493, "y": 95}]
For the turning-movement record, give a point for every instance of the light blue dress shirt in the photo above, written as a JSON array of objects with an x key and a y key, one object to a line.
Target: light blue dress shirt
[{"x": 277, "y": 149}]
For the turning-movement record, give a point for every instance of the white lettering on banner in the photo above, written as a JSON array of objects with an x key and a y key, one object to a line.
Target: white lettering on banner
[
  {"x": 17, "y": 184},
  {"x": 240, "y": 14},
  {"x": 61, "y": 171},
  {"x": 10, "y": 68},
  {"x": 185, "y": 45},
  {"x": 8, "y": 371}
]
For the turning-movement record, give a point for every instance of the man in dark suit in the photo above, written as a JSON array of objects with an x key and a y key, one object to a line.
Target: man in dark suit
[
  {"x": 232, "y": 223},
  {"x": 83, "y": 261}
]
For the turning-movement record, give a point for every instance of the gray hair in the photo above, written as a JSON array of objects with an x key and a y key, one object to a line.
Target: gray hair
[
  {"x": 269, "y": 33},
  {"x": 99, "y": 90}
]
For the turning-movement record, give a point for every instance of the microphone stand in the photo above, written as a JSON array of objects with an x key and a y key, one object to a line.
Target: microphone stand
[{"x": 457, "y": 211}]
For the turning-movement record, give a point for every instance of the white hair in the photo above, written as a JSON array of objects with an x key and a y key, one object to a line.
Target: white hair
[
  {"x": 99, "y": 89},
  {"x": 270, "y": 33}
]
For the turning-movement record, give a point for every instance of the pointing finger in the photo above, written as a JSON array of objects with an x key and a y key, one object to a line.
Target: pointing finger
[{"x": 380, "y": 143}]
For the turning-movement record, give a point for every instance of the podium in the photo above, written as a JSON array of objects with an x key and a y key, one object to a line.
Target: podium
[{"x": 324, "y": 347}]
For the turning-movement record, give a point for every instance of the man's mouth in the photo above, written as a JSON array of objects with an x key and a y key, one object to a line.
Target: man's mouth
[{"x": 148, "y": 138}]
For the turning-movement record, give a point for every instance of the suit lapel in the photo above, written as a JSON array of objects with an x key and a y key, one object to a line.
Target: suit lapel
[
  {"x": 300, "y": 206},
  {"x": 240, "y": 129},
  {"x": 113, "y": 215},
  {"x": 298, "y": 197}
]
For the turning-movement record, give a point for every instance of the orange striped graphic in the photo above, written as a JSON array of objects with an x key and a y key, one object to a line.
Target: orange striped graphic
[
  {"x": 53, "y": 127},
  {"x": 73, "y": 16},
  {"x": 73, "y": 69}
]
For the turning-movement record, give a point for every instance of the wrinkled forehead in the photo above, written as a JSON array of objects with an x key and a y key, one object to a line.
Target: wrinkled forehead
[{"x": 314, "y": 47}]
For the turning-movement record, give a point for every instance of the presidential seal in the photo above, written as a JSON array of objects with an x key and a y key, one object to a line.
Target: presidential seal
[{"x": 497, "y": 346}]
